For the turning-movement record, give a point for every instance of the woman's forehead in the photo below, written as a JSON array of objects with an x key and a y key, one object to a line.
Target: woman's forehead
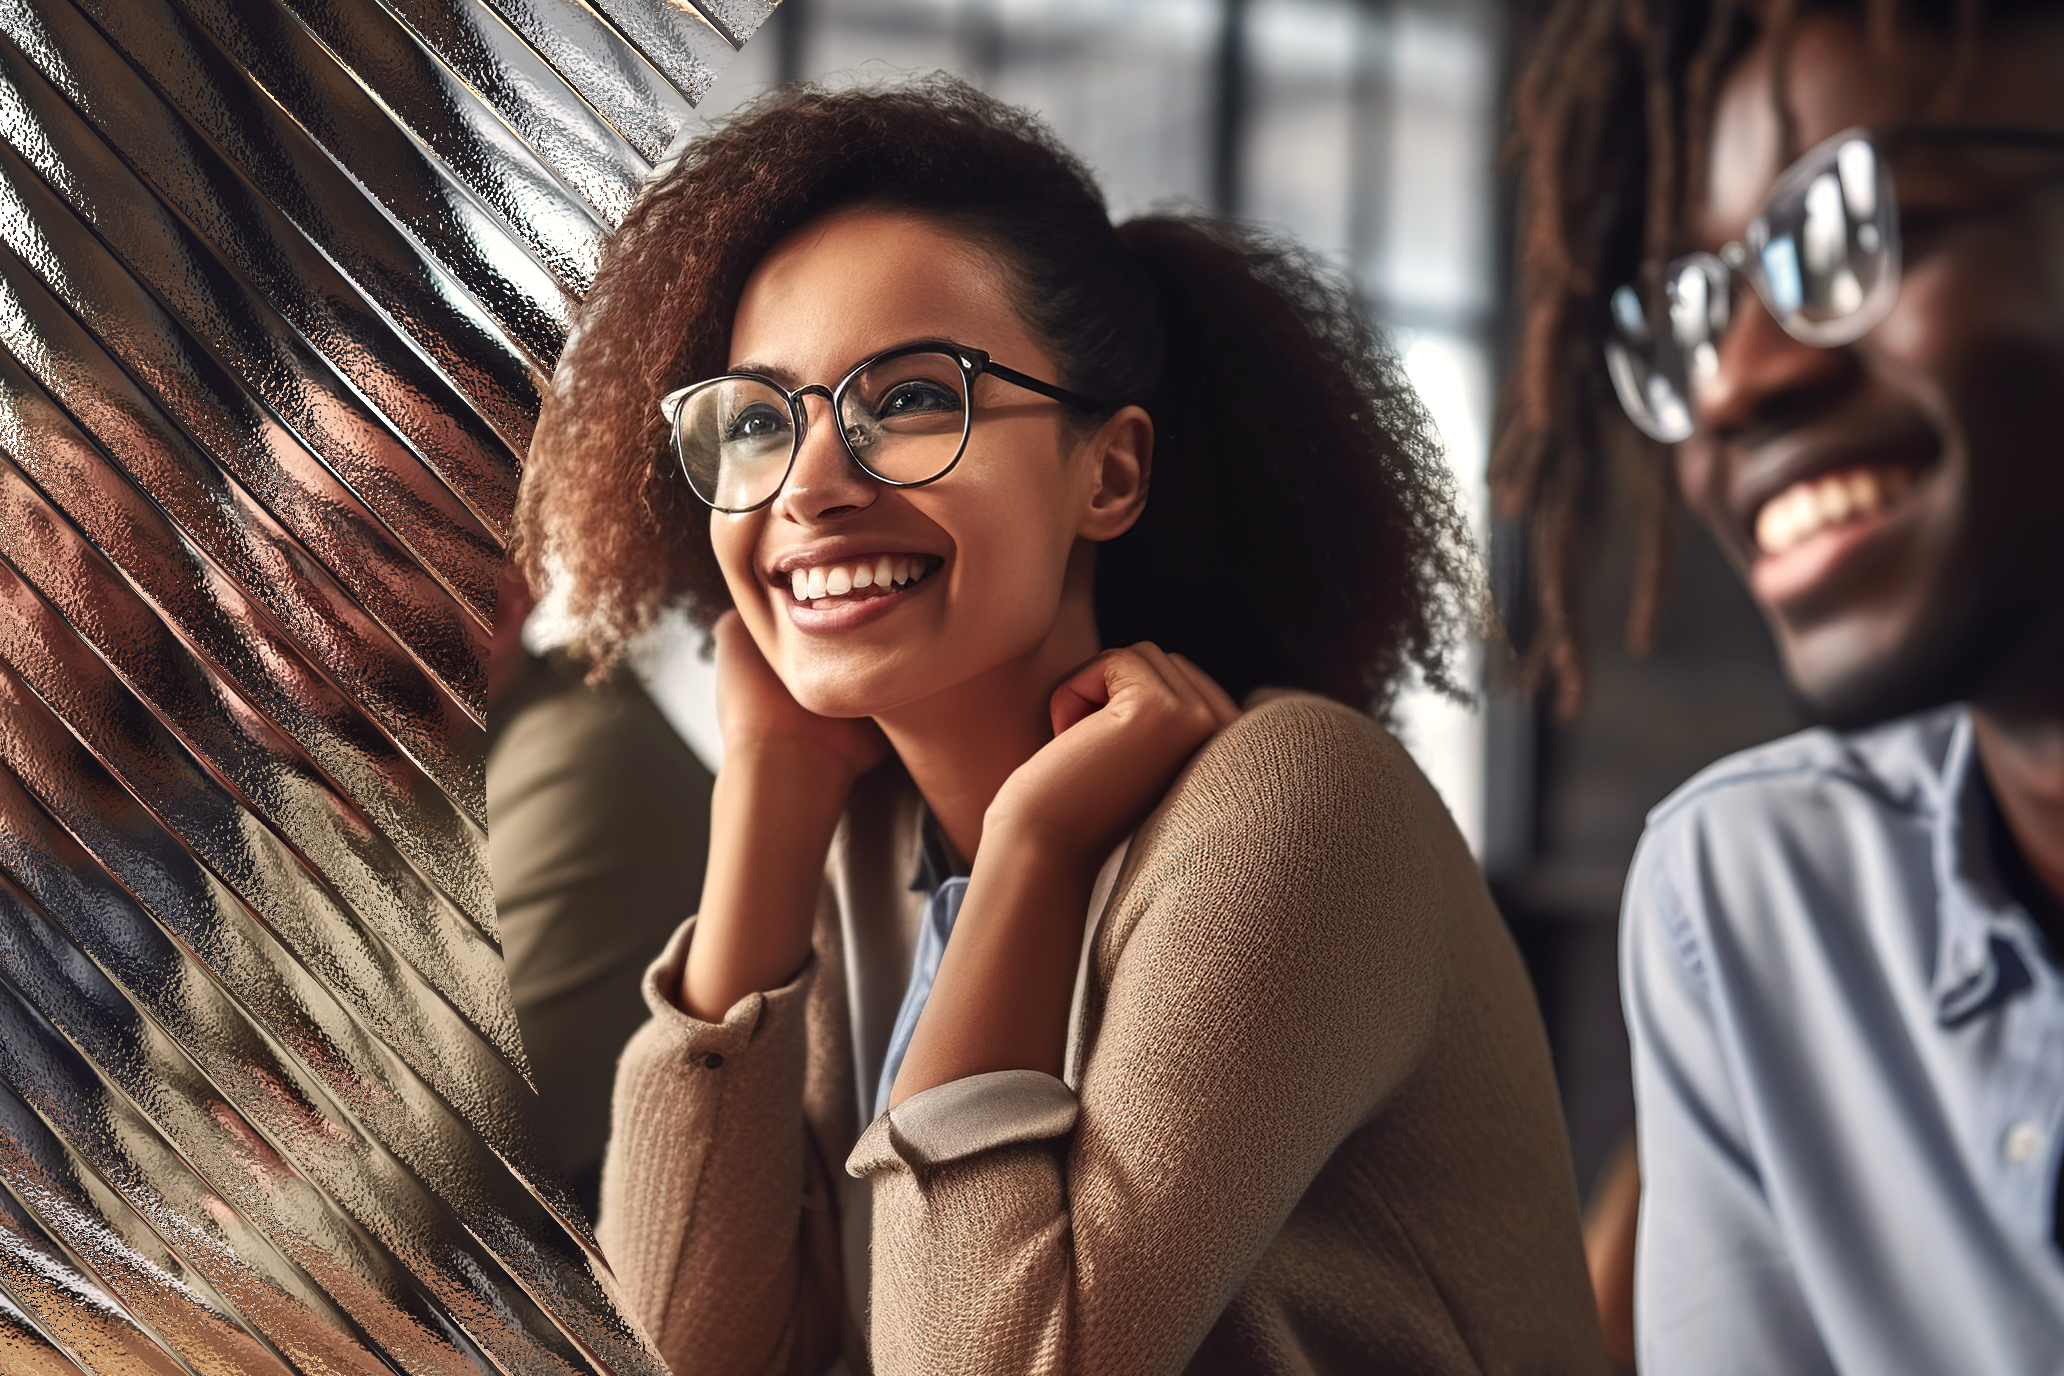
[{"x": 861, "y": 281}]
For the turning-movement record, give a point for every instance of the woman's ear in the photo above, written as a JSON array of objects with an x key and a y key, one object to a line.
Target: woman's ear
[{"x": 1121, "y": 457}]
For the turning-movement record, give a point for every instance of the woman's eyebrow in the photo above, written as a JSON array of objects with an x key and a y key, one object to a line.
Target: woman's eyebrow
[
  {"x": 771, "y": 370},
  {"x": 788, "y": 379}
]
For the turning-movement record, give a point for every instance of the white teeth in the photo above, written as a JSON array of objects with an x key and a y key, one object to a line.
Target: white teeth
[
  {"x": 1833, "y": 499},
  {"x": 836, "y": 580},
  {"x": 1805, "y": 509}
]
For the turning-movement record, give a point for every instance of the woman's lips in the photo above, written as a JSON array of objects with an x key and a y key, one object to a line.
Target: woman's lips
[
  {"x": 842, "y": 595},
  {"x": 1806, "y": 531}
]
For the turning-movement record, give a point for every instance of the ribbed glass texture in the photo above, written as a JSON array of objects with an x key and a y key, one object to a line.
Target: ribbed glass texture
[{"x": 280, "y": 284}]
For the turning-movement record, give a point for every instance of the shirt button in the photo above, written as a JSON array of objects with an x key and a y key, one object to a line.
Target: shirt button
[{"x": 2021, "y": 1142}]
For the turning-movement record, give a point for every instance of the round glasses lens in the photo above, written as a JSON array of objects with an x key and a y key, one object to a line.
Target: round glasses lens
[
  {"x": 906, "y": 417},
  {"x": 1827, "y": 245},
  {"x": 735, "y": 437},
  {"x": 1648, "y": 366}
]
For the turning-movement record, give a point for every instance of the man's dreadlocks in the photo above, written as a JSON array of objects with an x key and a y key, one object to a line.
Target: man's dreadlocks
[{"x": 1612, "y": 117}]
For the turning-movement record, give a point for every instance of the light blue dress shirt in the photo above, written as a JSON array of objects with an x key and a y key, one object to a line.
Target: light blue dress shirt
[
  {"x": 939, "y": 916},
  {"x": 1849, "y": 1069}
]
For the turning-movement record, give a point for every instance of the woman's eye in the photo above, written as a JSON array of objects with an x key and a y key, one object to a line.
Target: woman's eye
[
  {"x": 756, "y": 423},
  {"x": 917, "y": 398}
]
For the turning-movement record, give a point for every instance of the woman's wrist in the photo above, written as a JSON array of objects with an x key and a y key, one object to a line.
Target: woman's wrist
[{"x": 772, "y": 816}]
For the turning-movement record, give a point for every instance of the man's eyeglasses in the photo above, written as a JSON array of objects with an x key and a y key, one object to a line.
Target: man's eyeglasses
[
  {"x": 903, "y": 416},
  {"x": 1823, "y": 254}
]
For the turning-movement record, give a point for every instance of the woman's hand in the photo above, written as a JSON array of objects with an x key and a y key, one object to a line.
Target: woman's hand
[
  {"x": 786, "y": 775},
  {"x": 1124, "y": 723},
  {"x": 764, "y": 724}
]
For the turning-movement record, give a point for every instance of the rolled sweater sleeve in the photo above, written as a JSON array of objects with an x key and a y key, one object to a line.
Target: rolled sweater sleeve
[
  {"x": 1271, "y": 973},
  {"x": 716, "y": 1213}
]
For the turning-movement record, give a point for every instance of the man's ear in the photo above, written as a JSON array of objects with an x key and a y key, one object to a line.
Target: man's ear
[{"x": 1121, "y": 456}]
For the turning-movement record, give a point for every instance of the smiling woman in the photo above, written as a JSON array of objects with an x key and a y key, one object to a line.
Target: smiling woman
[{"x": 1195, "y": 1042}]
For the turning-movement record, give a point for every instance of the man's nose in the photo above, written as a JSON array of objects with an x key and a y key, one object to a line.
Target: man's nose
[
  {"x": 1760, "y": 370},
  {"x": 825, "y": 482}
]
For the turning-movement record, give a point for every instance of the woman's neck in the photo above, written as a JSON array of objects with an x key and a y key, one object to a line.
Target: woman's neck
[{"x": 962, "y": 743}]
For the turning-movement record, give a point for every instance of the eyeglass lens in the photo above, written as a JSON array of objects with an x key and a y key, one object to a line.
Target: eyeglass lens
[
  {"x": 1823, "y": 255},
  {"x": 904, "y": 419}
]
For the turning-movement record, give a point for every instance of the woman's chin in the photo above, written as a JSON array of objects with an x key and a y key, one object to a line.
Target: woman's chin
[{"x": 848, "y": 698}]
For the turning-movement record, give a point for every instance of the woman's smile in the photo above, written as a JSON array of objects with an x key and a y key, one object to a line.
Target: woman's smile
[{"x": 832, "y": 594}]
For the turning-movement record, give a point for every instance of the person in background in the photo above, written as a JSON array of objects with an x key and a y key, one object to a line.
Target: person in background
[
  {"x": 1045, "y": 1011},
  {"x": 1816, "y": 252},
  {"x": 598, "y": 825}
]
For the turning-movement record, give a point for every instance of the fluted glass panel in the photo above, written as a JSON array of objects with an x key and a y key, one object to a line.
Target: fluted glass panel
[{"x": 280, "y": 283}]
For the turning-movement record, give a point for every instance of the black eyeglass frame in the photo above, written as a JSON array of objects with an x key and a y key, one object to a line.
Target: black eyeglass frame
[
  {"x": 1738, "y": 258},
  {"x": 974, "y": 363}
]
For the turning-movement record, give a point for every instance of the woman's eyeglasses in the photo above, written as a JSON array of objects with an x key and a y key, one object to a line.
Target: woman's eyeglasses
[
  {"x": 1823, "y": 254},
  {"x": 903, "y": 415}
]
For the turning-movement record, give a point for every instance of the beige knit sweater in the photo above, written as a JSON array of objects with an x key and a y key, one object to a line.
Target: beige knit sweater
[{"x": 1315, "y": 1128}]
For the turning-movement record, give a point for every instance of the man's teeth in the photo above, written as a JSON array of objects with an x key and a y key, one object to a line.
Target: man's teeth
[
  {"x": 1804, "y": 509},
  {"x": 836, "y": 580}
]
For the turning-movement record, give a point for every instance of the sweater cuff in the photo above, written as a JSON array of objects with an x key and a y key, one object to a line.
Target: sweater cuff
[
  {"x": 690, "y": 1036},
  {"x": 963, "y": 1117}
]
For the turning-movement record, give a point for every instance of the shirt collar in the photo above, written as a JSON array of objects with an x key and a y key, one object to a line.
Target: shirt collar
[
  {"x": 937, "y": 860},
  {"x": 1977, "y": 963}
]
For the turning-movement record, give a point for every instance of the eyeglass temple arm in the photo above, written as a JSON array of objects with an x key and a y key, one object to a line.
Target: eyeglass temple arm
[{"x": 1046, "y": 389}]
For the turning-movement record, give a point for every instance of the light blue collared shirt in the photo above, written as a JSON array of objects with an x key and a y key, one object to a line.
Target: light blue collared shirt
[
  {"x": 1849, "y": 1069},
  {"x": 939, "y": 916}
]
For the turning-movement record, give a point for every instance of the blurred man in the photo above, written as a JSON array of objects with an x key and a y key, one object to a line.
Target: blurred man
[
  {"x": 1818, "y": 250},
  {"x": 598, "y": 824}
]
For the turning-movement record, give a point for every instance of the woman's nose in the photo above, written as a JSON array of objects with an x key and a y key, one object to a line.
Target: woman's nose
[
  {"x": 824, "y": 483},
  {"x": 1762, "y": 373}
]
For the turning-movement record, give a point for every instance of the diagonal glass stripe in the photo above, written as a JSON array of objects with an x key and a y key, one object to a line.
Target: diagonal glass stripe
[
  {"x": 52, "y": 1289},
  {"x": 294, "y": 224},
  {"x": 300, "y": 1170},
  {"x": 77, "y": 279},
  {"x": 268, "y": 1043},
  {"x": 471, "y": 140},
  {"x": 626, "y": 71},
  {"x": 24, "y": 1350},
  {"x": 74, "y": 82},
  {"x": 388, "y": 943},
  {"x": 269, "y": 358},
  {"x": 565, "y": 132},
  {"x": 364, "y": 1278},
  {"x": 460, "y": 289},
  {"x": 321, "y": 438},
  {"x": 280, "y": 281},
  {"x": 266, "y": 569},
  {"x": 98, "y": 1231},
  {"x": 55, "y": 1111},
  {"x": 242, "y": 728},
  {"x": 303, "y": 925},
  {"x": 530, "y": 285}
]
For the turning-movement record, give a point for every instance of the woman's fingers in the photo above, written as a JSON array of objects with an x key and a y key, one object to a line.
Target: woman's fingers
[
  {"x": 1081, "y": 693},
  {"x": 1147, "y": 668}
]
